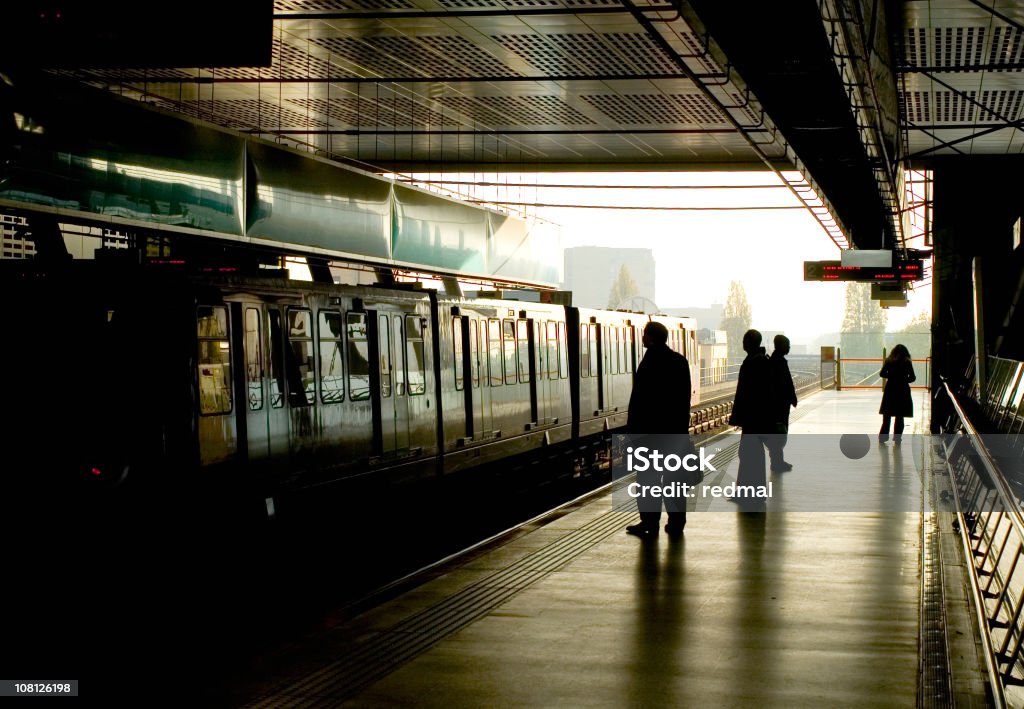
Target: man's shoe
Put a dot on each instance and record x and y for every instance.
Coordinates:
(673, 531)
(642, 531)
(782, 468)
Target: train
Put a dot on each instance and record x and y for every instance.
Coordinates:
(260, 386)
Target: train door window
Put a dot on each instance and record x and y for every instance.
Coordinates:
(332, 375)
(592, 337)
(619, 338)
(474, 352)
(494, 352)
(523, 347)
(214, 360)
(509, 338)
(605, 348)
(384, 355)
(630, 331)
(276, 360)
(552, 349)
(540, 350)
(414, 357)
(253, 359)
(458, 352)
(299, 358)
(400, 345)
(563, 353)
(584, 350)
(358, 357)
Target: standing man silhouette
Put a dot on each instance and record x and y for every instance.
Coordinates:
(783, 398)
(660, 404)
(751, 412)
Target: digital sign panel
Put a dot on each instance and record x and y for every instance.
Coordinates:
(902, 271)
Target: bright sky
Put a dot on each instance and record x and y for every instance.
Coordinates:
(698, 253)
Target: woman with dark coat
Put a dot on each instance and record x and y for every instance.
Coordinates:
(898, 372)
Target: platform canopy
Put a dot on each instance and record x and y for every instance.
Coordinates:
(834, 94)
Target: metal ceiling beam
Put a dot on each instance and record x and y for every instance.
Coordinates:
(207, 80)
(461, 14)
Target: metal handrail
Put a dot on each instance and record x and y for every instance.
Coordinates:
(971, 522)
(1002, 488)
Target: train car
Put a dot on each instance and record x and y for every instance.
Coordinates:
(252, 388)
(504, 379)
(682, 337)
(609, 348)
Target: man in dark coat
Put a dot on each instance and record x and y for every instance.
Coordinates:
(783, 398)
(751, 411)
(660, 404)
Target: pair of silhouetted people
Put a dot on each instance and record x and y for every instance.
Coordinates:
(660, 404)
(898, 372)
(764, 395)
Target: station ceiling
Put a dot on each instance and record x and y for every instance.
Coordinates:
(451, 85)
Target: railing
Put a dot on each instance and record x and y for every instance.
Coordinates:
(992, 533)
(862, 373)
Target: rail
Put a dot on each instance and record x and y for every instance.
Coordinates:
(862, 373)
(991, 529)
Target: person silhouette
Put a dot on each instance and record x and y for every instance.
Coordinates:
(660, 404)
(783, 398)
(751, 412)
(898, 372)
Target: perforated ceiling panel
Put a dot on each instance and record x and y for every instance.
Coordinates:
(521, 110)
(962, 77)
(449, 80)
(591, 54)
(653, 109)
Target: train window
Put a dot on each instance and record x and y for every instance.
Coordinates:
(594, 364)
(474, 352)
(358, 357)
(563, 353)
(606, 349)
(616, 343)
(276, 360)
(416, 381)
(523, 347)
(332, 376)
(552, 349)
(494, 352)
(623, 354)
(214, 360)
(299, 358)
(384, 355)
(629, 348)
(253, 359)
(584, 350)
(508, 329)
(400, 345)
(457, 351)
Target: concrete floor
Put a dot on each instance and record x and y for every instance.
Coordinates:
(806, 605)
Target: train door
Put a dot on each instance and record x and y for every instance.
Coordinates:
(526, 347)
(477, 363)
(274, 411)
(545, 332)
(462, 370)
(401, 389)
(252, 407)
(386, 411)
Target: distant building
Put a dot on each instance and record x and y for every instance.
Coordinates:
(713, 347)
(590, 272)
(709, 317)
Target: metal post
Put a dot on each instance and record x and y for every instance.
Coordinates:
(839, 369)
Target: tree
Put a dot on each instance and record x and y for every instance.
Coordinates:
(736, 318)
(623, 288)
(919, 324)
(863, 330)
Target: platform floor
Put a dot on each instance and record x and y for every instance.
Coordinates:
(775, 609)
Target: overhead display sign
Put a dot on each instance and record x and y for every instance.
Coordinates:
(903, 271)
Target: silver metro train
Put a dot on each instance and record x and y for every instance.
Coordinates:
(267, 385)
